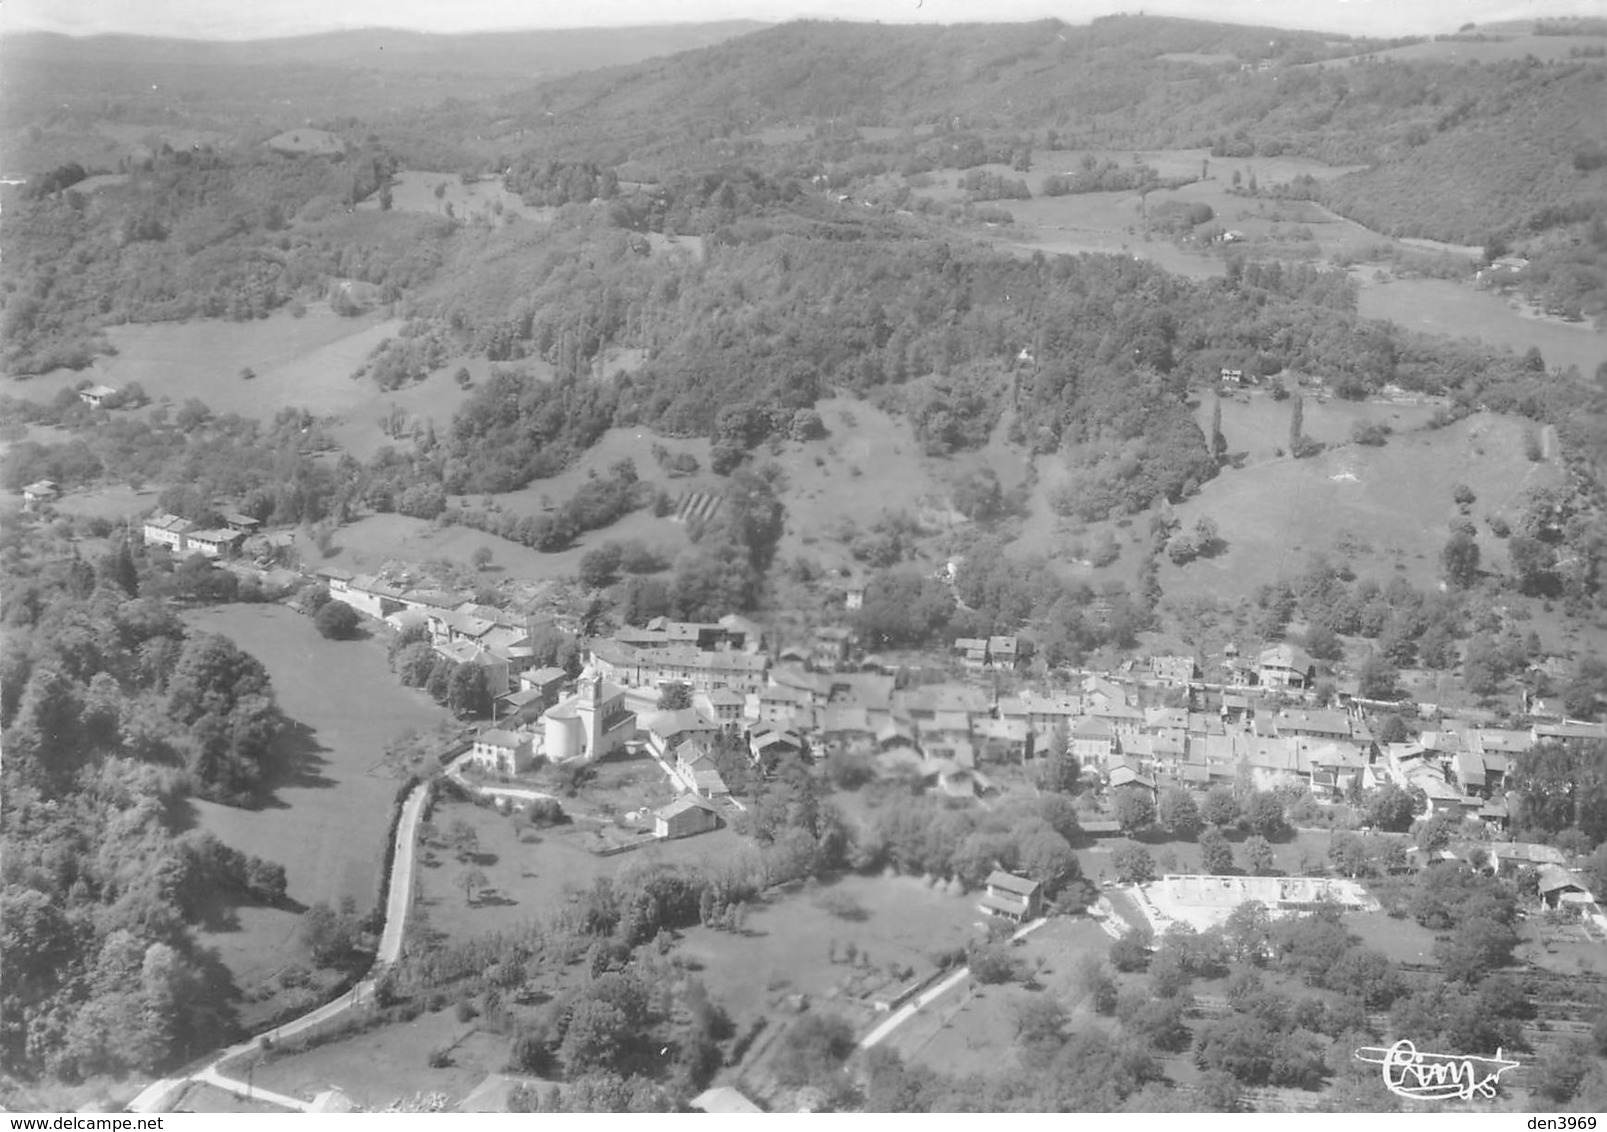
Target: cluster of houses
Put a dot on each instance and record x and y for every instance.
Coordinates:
(811, 700)
(185, 537)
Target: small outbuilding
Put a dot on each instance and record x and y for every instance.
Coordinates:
(1558, 886)
(686, 816)
(96, 396)
(39, 492)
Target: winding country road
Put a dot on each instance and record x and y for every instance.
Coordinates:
(159, 1096)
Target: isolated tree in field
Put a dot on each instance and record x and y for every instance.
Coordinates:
(463, 839)
(1216, 855)
(675, 697)
(1219, 443)
(1460, 560)
(1182, 549)
(1133, 865)
(1207, 538)
(1134, 810)
(1039, 1021)
(472, 880)
(337, 621)
(1177, 813)
(1297, 426)
(482, 557)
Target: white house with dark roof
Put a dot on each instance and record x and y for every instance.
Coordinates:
(218, 542)
(1285, 666)
(1174, 670)
(500, 752)
(169, 531)
(39, 492)
(1012, 897)
(589, 725)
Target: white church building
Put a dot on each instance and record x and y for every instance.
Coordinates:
(589, 725)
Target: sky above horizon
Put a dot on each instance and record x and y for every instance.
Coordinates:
(233, 19)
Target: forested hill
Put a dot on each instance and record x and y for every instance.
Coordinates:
(547, 52)
(992, 75)
(1511, 149)
(1521, 145)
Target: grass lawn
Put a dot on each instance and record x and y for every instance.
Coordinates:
(390, 1062)
(327, 818)
(789, 938)
(1402, 940)
(1444, 306)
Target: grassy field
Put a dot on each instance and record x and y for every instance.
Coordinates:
(1257, 426)
(1113, 222)
(413, 190)
(531, 873)
(870, 465)
(1387, 507)
(327, 820)
(305, 361)
(367, 544)
(390, 1063)
(789, 940)
(304, 139)
(1441, 306)
(972, 1028)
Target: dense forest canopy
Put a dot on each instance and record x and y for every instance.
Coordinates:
(114, 714)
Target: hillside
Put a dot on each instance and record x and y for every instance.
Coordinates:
(1521, 148)
(1456, 150)
(96, 99)
(994, 76)
(526, 53)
